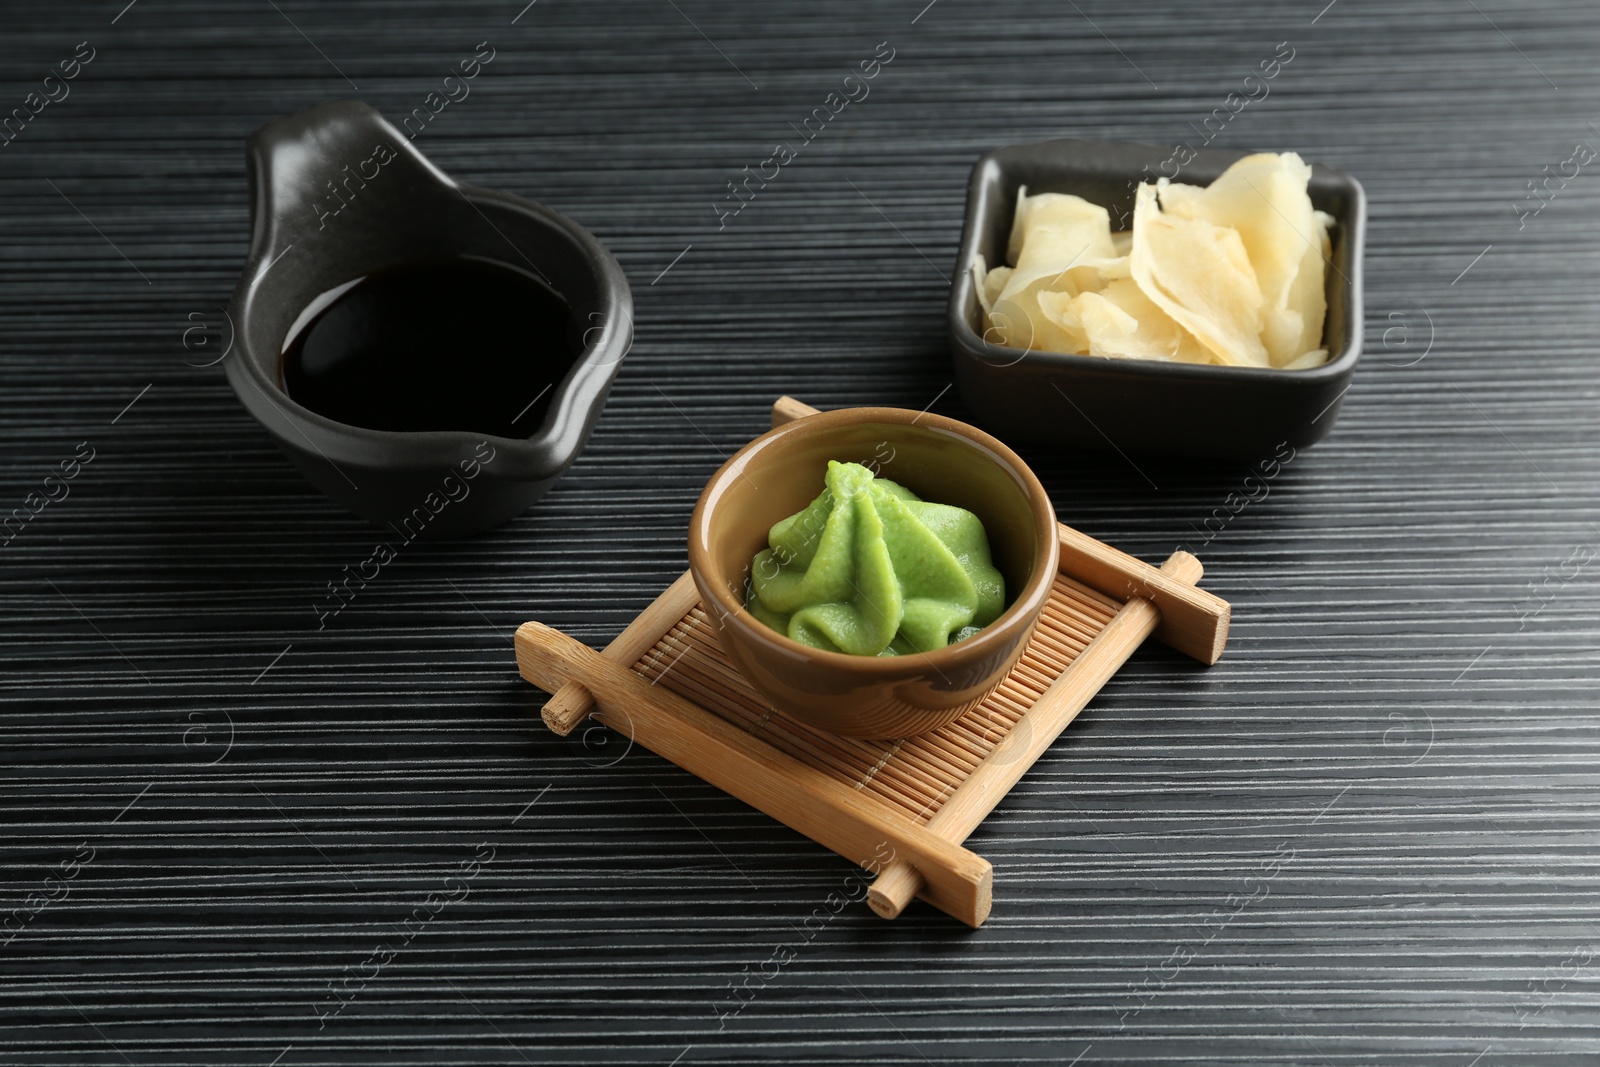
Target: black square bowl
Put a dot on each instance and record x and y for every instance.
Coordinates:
(1144, 406)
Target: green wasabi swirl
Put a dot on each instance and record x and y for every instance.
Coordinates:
(869, 569)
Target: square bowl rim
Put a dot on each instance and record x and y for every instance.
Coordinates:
(1001, 357)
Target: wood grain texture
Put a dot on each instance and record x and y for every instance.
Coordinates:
(1366, 836)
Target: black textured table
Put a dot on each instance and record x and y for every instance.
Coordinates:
(1368, 835)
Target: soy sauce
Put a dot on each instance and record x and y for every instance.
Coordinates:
(456, 344)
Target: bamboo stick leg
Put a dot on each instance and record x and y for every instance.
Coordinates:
(893, 889)
(788, 409)
(806, 798)
(571, 703)
(967, 805)
(1193, 621)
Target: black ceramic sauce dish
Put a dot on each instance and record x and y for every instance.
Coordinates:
(339, 194)
(1144, 406)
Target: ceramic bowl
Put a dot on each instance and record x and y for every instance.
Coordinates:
(937, 458)
(1145, 406)
(338, 193)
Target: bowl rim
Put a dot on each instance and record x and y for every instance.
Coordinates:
(996, 162)
(1021, 614)
(545, 452)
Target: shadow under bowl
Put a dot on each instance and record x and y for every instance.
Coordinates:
(940, 460)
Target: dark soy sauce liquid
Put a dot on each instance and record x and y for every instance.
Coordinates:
(453, 344)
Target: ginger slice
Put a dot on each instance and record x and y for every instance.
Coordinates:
(1200, 275)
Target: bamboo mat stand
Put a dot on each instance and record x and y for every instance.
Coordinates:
(901, 808)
